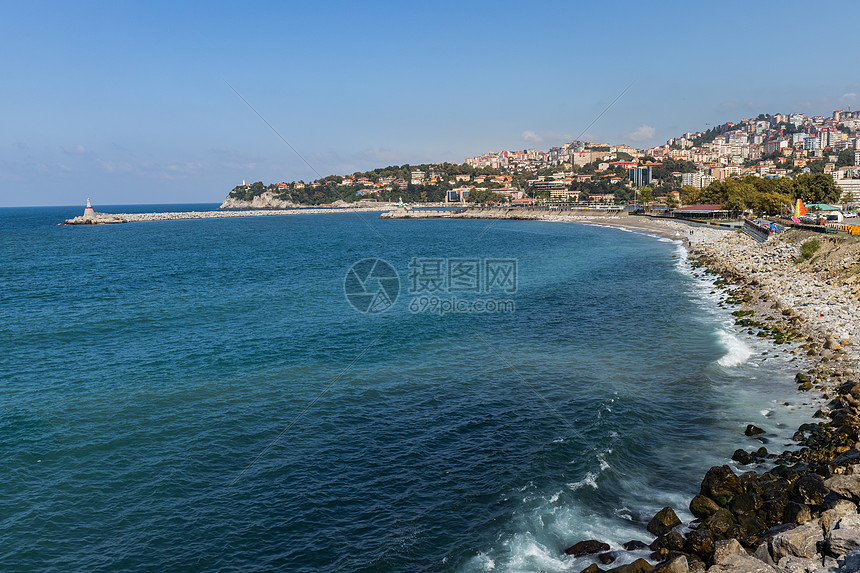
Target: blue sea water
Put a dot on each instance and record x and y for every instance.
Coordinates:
(201, 396)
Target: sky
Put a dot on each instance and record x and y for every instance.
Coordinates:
(131, 102)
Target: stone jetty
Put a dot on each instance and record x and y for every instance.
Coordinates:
(95, 218)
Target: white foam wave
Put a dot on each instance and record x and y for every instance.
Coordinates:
(737, 351)
(601, 459)
(590, 480)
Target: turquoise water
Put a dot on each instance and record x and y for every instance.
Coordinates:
(201, 396)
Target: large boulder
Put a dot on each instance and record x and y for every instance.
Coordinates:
(721, 484)
(796, 513)
(703, 507)
(750, 524)
(720, 522)
(772, 511)
(587, 547)
(792, 564)
(800, 542)
(846, 486)
(743, 564)
(746, 503)
(844, 537)
(673, 541)
(663, 522)
(839, 509)
(848, 462)
(700, 542)
(724, 548)
(775, 488)
(810, 489)
(676, 565)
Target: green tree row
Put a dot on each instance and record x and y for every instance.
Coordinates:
(770, 196)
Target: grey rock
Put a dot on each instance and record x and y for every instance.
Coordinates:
(743, 564)
(762, 552)
(846, 486)
(796, 513)
(800, 542)
(676, 565)
(725, 548)
(850, 561)
(844, 536)
(840, 509)
(791, 564)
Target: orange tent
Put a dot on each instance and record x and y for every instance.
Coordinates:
(799, 209)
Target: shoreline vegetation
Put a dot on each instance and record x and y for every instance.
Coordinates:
(794, 511)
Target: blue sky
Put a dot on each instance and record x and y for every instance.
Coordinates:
(127, 102)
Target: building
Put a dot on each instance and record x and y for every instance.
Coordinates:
(418, 177)
(640, 176)
(850, 190)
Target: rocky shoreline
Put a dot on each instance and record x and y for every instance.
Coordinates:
(801, 515)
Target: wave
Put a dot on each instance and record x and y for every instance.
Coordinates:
(737, 351)
(590, 480)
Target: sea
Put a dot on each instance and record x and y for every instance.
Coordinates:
(336, 392)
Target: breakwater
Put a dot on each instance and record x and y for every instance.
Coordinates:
(114, 218)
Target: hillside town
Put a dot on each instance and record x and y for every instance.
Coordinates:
(780, 147)
(769, 146)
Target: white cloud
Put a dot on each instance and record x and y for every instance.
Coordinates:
(529, 135)
(74, 149)
(848, 96)
(644, 132)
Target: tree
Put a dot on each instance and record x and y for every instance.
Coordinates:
(690, 195)
(816, 188)
(671, 201)
(646, 195)
(845, 158)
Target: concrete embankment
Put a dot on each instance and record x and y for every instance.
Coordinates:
(503, 213)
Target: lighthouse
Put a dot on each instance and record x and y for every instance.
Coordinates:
(89, 214)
